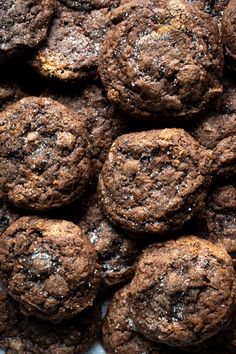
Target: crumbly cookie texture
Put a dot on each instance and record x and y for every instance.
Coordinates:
(154, 181)
(23, 24)
(219, 217)
(116, 252)
(183, 291)
(73, 44)
(229, 34)
(21, 334)
(217, 131)
(101, 118)
(44, 154)
(120, 335)
(8, 214)
(88, 5)
(49, 266)
(162, 61)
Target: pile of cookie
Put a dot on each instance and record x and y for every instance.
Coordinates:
(117, 176)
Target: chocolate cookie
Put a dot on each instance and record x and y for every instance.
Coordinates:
(183, 291)
(44, 154)
(88, 5)
(219, 217)
(116, 253)
(162, 61)
(213, 7)
(49, 266)
(222, 343)
(217, 131)
(229, 33)
(103, 122)
(21, 335)
(8, 214)
(154, 181)
(23, 24)
(119, 332)
(73, 44)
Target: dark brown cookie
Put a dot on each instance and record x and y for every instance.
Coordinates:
(8, 214)
(88, 5)
(73, 44)
(49, 266)
(154, 181)
(116, 253)
(219, 217)
(162, 61)
(103, 122)
(229, 33)
(213, 7)
(23, 24)
(24, 335)
(222, 343)
(120, 335)
(217, 131)
(44, 154)
(183, 291)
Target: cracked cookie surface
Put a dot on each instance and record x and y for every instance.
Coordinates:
(49, 266)
(154, 181)
(20, 334)
(45, 157)
(73, 44)
(116, 252)
(183, 291)
(162, 61)
(23, 23)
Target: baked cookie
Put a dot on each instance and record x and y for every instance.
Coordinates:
(116, 253)
(44, 154)
(103, 122)
(213, 7)
(120, 335)
(23, 24)
(49, 266)
(217, 131)
(229, 34)
(154, 181)
(21, 335)
(222, 343)
(183, 291)
(8, 214)
(219, 217)
(73, 44)
(162, 61)
(88, 5)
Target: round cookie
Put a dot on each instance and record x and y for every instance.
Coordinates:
(119, 332)
(49, 266)
(23, 24)
(229, 34)
(116, 253)
(21, 335)
(154, 181)
(183, 291)
(44, 154)
(162, 61)
(103, 122)
(73, 44)
(88, 5)
(219, 217)
(217, 131)
(8, 214)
